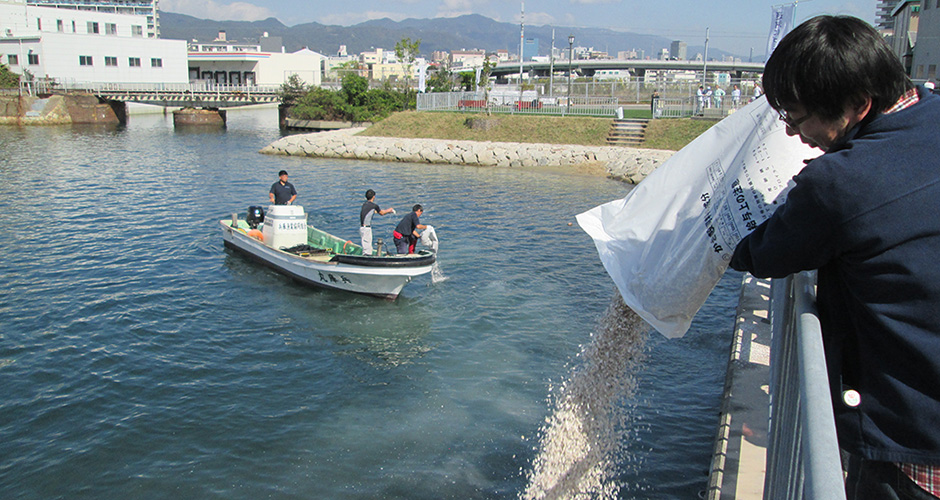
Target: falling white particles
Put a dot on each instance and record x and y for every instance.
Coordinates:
(580, 442)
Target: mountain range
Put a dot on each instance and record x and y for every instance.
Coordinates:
(439, 34)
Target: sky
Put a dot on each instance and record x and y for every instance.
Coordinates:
(733, 25)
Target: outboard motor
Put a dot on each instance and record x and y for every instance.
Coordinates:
(255, 216)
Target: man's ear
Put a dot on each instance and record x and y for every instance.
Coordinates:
(860, 109)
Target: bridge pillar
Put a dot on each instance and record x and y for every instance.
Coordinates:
(199, 117)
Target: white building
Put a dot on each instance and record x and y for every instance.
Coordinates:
(147, 8)
(68, 45)
(236, 63)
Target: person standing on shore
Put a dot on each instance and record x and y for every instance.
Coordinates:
(406, 235)
(369, 209)
(282, 192)
(865, 216)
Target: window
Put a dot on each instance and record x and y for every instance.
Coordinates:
(13, 59)
(85, 61)
(110, 61)
(137, 30)
(133, 62)
(59, 26)
(32, 59)
(110, 29)
(156, 62)
(92, 28)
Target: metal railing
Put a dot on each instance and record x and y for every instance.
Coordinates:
(803, 451)
(515, 102)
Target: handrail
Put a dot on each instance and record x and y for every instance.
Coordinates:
(803, 450)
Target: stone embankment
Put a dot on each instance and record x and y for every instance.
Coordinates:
(622, 163)
(59, 109)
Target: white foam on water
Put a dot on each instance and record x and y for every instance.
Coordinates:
(581, 441)
(437, 275)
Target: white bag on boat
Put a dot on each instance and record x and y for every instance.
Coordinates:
(429, 238)
(667, 243)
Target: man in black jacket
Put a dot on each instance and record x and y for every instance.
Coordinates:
(866, 214)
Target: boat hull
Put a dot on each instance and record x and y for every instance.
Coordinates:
(319, 271)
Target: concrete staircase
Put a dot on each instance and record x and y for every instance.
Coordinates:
(627, 132)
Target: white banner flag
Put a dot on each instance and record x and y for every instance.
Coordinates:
(781, 21)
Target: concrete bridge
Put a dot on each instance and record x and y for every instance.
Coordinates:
(194, 95)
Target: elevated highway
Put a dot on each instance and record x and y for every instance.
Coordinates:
(637, 67)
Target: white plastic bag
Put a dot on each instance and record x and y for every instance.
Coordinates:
(667, 243)
(429, 239)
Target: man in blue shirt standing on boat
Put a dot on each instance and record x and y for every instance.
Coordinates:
(866, 215)
(406, 234)
(283, 192)
(369, 209)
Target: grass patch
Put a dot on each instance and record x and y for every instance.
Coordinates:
(505, 128)
(674, 133)
(671, 134)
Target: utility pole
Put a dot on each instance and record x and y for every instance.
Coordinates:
(705, 60)
(551, 67)
(570, 53)
(521, 51)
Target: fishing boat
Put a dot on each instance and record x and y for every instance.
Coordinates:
(314, 257)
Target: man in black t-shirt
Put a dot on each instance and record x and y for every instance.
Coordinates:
(369, 209)
(283, 192)
(406, 234)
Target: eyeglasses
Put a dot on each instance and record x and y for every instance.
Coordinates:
(790, 122)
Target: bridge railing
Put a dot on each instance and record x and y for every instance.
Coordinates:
(200, 87)
(803, 451)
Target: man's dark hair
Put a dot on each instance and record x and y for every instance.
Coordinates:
(369, 194)
(829, 62)
(282, 172)
(416, 208)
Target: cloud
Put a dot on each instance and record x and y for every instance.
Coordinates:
(210, 9)
(537, 19)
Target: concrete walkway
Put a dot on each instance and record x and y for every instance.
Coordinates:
(740, 453)
(622, 163)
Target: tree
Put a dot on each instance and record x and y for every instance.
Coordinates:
(441, 80)
(8, 79)
(292, 90)
(407, 51)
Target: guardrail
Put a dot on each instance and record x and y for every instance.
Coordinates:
(803, 451)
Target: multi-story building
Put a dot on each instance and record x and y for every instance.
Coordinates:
(232, 62)
(903, 35)
(147, 8)
(467, 58)
(679, 50)
(883, 20)
(927, 50)
(87, 46)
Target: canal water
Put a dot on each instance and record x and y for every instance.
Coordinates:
(140, 359)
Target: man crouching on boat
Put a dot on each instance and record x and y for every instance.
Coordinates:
(406, 234)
